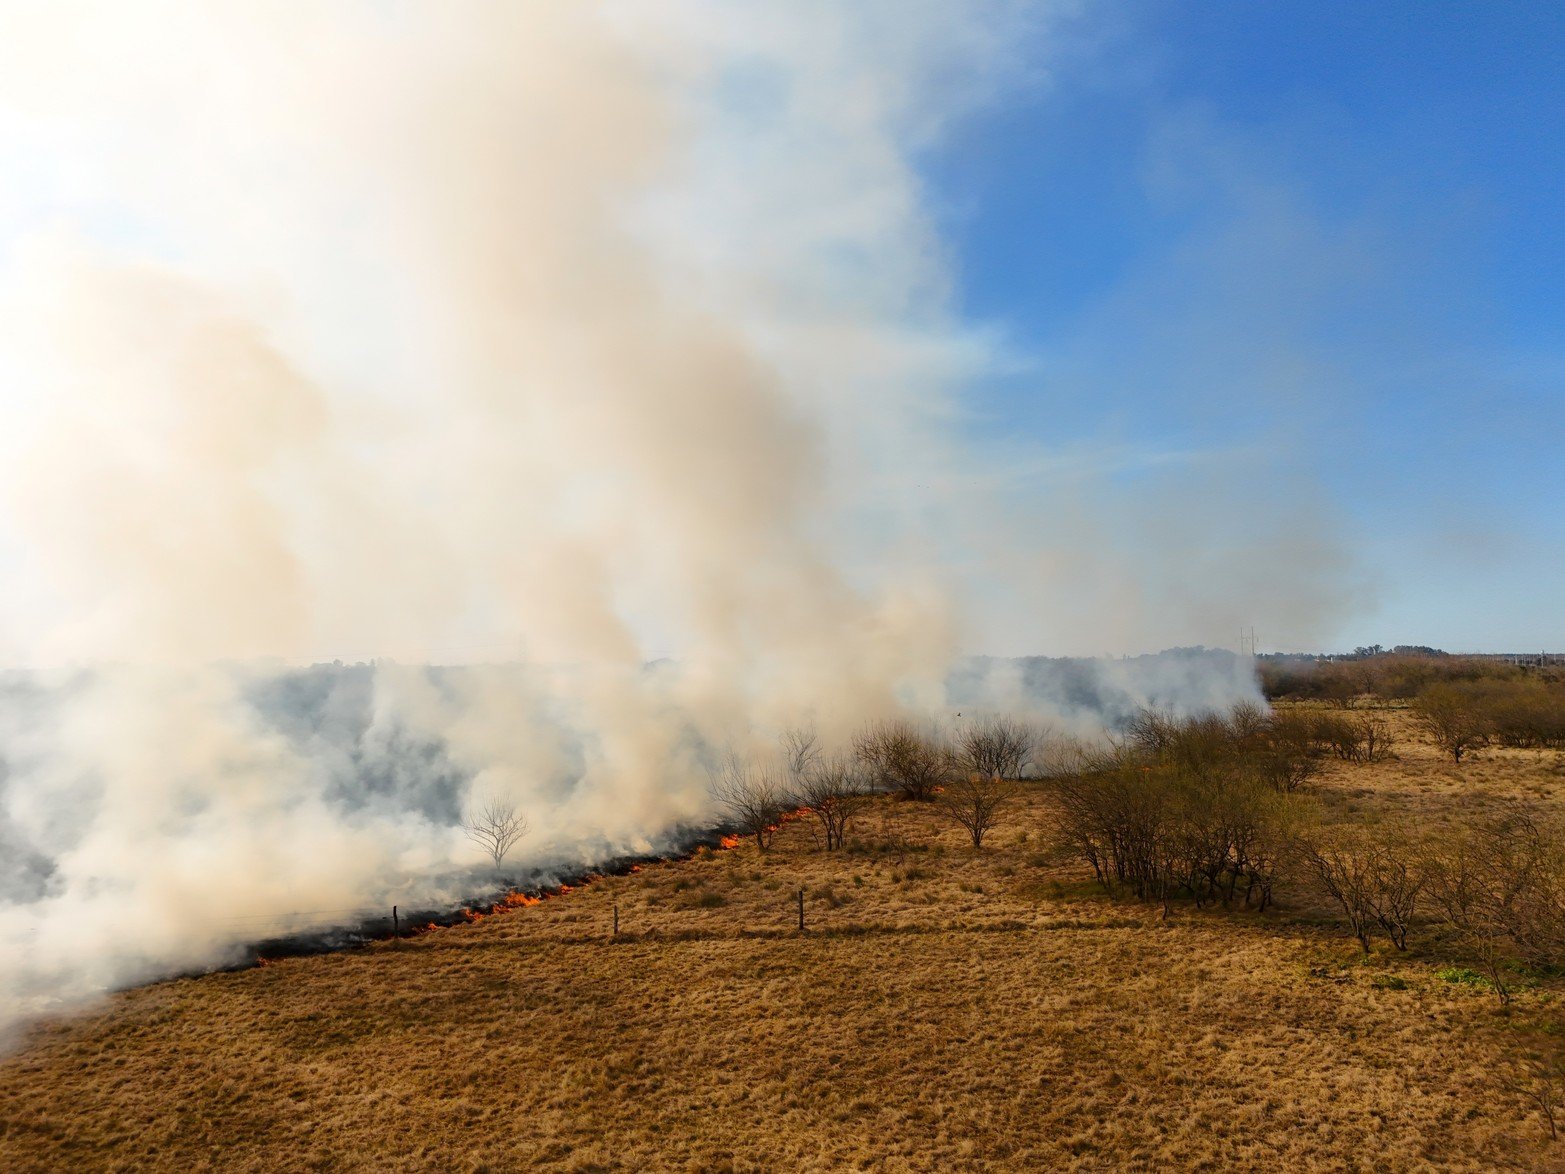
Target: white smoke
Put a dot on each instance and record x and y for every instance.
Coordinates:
(545, 339)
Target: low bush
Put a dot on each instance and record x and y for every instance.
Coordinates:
(1183, 808)
(913, 761)
(1352, 739)
(1372, 877)
(1499, 887)
(1461, 976)
(1391, 676)
(1453, 718)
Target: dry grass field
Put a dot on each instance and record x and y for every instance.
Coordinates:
(944, 1010)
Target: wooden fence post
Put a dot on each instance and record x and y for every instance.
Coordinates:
(616, 919)
(396, 928)
(801, 910)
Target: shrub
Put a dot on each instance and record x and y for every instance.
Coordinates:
(998, 746)
(1377, 739)
(976, 801)
(1500, 887)
(1374, 882)
(836, 790)
(1180, 808)
(1453, 718)
(701, 899)
(828, 896)
(1461, 976)
(1353, 739)
(902, 757)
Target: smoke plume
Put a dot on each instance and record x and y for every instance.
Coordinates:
(602, 352)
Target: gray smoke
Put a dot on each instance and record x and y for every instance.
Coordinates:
(600, 351)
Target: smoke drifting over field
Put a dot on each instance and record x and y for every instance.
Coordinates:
(548, 340)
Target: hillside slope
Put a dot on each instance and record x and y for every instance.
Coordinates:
(943, 1010)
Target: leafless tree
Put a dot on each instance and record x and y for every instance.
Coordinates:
(801, 750)
(1538, 1078)
(836, 790)
(998, 745)
(1361, 739)
(880, 746)
(975, 801)
(752, 798)
(1452, 718)
(1501, 887)
(1374, 881)
(1342, 872)
(904, 758)
(495, 825)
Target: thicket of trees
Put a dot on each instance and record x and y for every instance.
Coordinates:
(1203, 808)
(1464, 702)
(1216, 809)
(1499, 886)
(1399, 675)
(1465, 715)
(971, 771)
(1210, 808)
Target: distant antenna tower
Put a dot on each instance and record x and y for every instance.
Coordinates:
(1247, 642)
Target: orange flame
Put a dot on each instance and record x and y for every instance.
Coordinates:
(519, 900)
(730, 841)
(514, 900)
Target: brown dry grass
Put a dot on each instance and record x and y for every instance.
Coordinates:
(946, 1010)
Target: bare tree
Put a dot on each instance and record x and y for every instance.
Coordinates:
(1538, 1078)
(1343, 874)
(801, 750)
(836, 790)
(998, 745)
(1452, 718)
(752, 798)
(975, 801)
(495, 825)
(1501, 887)
(880, 746)
(904, 758)
(1375, 883)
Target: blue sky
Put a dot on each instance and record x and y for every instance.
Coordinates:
(1319, 243)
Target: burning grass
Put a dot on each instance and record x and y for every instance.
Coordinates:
(946, 1009)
